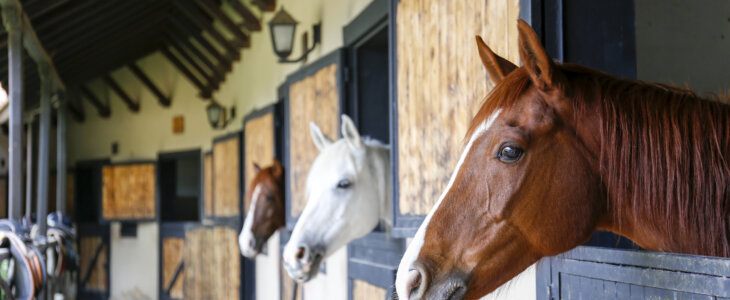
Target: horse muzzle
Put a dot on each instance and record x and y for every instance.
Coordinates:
(303, 264)
(420, 285)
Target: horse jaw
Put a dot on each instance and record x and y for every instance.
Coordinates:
(414, 248)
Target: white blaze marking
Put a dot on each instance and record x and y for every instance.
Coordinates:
(246, 236)
(415, 246)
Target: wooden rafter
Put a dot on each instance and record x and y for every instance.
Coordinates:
(221, 16)
(265, 5)
(102, 108)
(250, 21)
(204, 90)
(164, 100)
(184, 30)
(131, 104)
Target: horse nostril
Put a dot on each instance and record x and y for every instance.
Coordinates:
(417, 282)
(252, 244)
(301, 253)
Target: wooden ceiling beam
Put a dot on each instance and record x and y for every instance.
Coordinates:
(85, 37)
(265, 5)
(84, 8)
(218, 73)
(204, 91)
(111, 44)
(201, 22)
(195, 33)
(212, 82)
(94, 67)
(221, 16)
(102, 108)
(249, 19)
(164, 100)
(131, 104)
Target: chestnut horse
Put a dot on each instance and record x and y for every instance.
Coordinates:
(266, 212)
(558, 151)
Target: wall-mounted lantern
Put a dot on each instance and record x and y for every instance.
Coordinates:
(217, 115)
(282, 28)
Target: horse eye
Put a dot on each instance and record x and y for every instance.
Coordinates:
(269, 198)
(510, 153)
(343, 184)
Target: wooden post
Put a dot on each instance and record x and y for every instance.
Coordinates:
(11, 20)
(61, 157)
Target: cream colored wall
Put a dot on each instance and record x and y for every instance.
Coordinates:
(251, 84)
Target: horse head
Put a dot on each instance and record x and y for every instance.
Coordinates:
(519, 191)
(347, 196)
(266, 212)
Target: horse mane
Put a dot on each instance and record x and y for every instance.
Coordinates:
(663, 152)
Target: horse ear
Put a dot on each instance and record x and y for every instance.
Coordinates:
(539, 65)
(497, 66)
(277, 169)
(319, 139)
(256, 167)
(350, 133)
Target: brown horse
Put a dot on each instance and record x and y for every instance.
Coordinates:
(558, 151)
(266, 212)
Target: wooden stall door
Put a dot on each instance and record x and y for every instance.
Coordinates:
(172, 265)
(212, 263)
(601, 273)
(93, 249)
(129, 192)
(223, 175)
(259, 145)
(314, 94)
(372, 263)
(440, 83)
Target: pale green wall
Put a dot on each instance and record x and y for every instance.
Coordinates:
(251, 84)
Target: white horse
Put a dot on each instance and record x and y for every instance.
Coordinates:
(348, 193)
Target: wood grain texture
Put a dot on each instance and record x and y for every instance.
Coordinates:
(129, 191)
(288, 285)
(88, 247)
(441, 84)
(258, 147)
(208, 185)
(226, 178)
(212, 264)
(172, 256)
(312, 99)
(362, 290)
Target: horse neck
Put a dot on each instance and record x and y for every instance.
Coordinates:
(379, 162)
(668, 192)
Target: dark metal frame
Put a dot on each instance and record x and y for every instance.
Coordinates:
(368, 23)
(632, 271)
(374, 259)
(156, 218)
(403, 225)
(334, 57)
(201, 207)
(103, 231)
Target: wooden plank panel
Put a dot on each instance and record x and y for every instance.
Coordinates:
(129, 191)
(212, 264)
(208, 185)
(97, 279)
(172, 255)
(288, 286)
(312, 99)
(441, 84)
(258, 147)
(226, 180)
(362, 290)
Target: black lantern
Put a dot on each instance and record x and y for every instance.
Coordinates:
(282, 28)
(217, 115)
